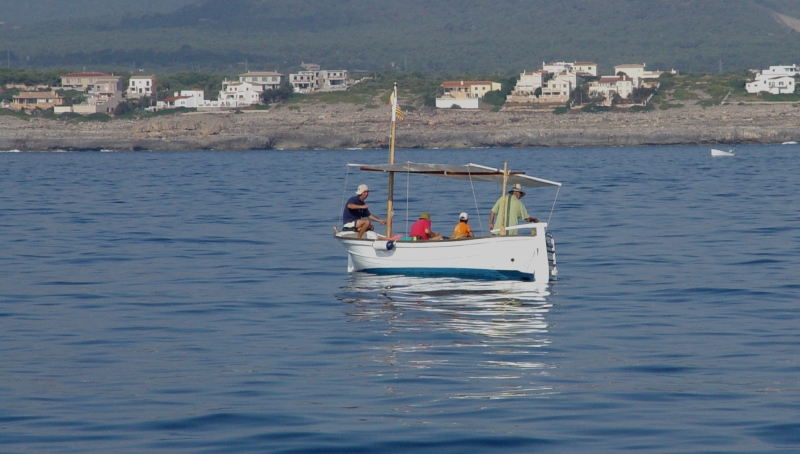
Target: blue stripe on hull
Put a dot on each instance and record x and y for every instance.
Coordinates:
(493, 275)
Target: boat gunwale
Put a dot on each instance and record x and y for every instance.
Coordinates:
(398, 243)
(530, 225)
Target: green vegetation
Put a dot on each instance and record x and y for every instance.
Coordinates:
(32, 11)
(430, 36)
(72, 96)
(498, 98)
(8, 94)
(276, 95)
(346, 97)
(68, 116)
(684, 95)
(647, 108)
(702, 89)
(769, 97)
(418, 91)
(592, 108)
(211, 84)
(494, 98)
(14, 113)
(31, 76)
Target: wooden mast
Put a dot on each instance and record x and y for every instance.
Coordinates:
(390, 194)
(504, 204)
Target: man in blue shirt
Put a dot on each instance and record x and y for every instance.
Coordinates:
(356, 213)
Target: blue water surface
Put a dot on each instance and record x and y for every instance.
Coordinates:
(197, 302)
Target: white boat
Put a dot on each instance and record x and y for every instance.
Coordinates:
(528, 256)
(791, 142)
(716, 152)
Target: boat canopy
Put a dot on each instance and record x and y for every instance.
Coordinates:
(469, 172)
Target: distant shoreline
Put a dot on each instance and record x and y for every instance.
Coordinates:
(341, 126)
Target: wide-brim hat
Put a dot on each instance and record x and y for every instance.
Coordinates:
(517, 188)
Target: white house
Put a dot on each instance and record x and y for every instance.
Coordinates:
(332, 80)
(105, 94)
(528, 82)
(556, 67)
(304, 81)
(559, 88)
(269, 80)
(790, 71)
(141, 86)
(191, 99)
(108, 85)
(465, 94)
(773, 84)
(234, 94)
(246, 91)
(33, 99)
(81, 81)
(319, 80)
(556, 89)
(776, 80)
(583, 68)
(609, 85)
(637, 73)
(97, 103)
(634, 71)
(242, 93)
(567, 76)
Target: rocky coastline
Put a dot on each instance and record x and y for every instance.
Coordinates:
(341, 126)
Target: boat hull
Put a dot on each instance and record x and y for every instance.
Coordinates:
(518, 257)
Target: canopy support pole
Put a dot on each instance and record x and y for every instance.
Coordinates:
(505, 200)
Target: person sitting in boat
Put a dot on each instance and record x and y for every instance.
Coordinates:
(356, 216)
(421, 230)
(462, 229)
(515, 211)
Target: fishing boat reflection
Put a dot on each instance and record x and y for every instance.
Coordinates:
(489, 335)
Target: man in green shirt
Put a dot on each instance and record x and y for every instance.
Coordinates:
(516, 210)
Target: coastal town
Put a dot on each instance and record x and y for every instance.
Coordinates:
(561, 104)
(555, 84)
(104, 92)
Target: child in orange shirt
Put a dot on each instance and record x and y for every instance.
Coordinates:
(462, 229)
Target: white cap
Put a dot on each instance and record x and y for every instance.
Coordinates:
(463, 217)
(362, 188)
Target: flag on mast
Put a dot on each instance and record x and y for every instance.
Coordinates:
(397, 114)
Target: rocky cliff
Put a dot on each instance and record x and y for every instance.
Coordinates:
(341, 126)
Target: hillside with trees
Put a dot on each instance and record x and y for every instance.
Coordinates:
(16, 12)
(430, 36)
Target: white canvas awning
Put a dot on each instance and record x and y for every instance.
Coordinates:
(468, 172)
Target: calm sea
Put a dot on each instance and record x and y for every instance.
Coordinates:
(197, 302)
